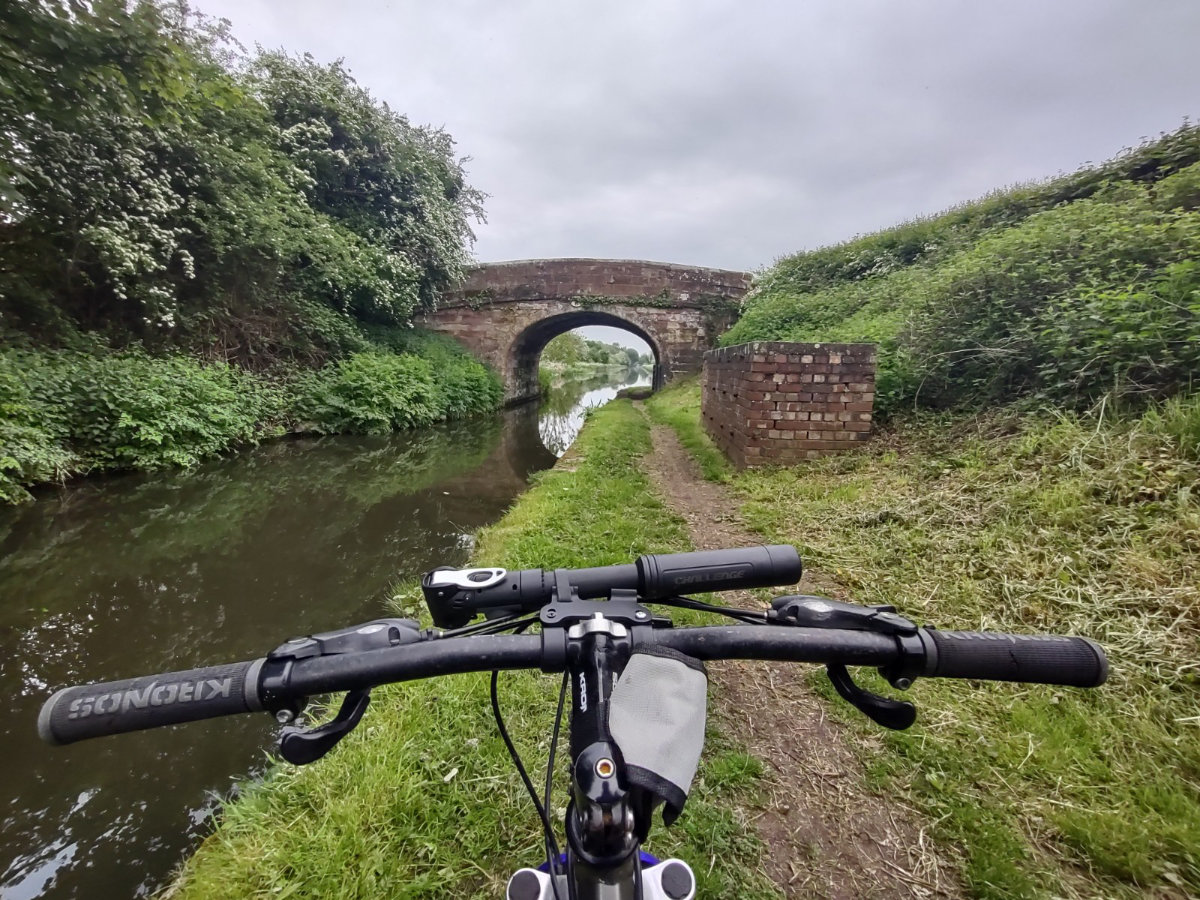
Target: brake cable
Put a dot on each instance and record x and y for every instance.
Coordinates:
(749, 616)
(516, 622)
(553, 862)
(552, 849)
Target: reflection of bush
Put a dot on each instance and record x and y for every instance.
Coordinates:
(216, 508)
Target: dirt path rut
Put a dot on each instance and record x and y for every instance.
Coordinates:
(827, 835)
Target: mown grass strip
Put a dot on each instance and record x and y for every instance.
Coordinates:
(1051, 524)
(422, 801)
(679, 407)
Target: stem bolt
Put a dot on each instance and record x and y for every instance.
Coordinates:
(904, 683)
(551, 614)
(640, 614)
(285, 717)
(605, 767)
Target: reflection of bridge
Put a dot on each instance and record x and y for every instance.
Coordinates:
(505, 313)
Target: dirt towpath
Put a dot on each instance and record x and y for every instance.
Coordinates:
(827, 835)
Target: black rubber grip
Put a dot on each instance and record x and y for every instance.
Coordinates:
(1035, 658)
(667, 574)
(95, 710)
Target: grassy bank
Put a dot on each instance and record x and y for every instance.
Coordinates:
(1050, 523)
(65, 413)
(1070, 290)
(421, 801)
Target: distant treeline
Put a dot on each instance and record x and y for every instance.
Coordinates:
(571, 350)
(1083, 287)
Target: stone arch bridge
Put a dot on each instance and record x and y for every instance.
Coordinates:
(505, 313)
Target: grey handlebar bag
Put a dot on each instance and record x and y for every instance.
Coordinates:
(656, 716)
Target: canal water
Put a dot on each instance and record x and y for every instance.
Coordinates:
(126, 575)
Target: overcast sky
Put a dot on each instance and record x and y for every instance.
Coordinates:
(728, 134)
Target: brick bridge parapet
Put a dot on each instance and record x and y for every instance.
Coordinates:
(505, 313)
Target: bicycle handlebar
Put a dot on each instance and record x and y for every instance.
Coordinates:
(1036, 658)
(455, 596)
(113, 707)
(78, 713)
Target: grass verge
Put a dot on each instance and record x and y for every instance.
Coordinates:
(421, 801)
(1052, 524)
(679, 407)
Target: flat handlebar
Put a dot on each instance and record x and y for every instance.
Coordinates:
(81, 712)
(455, 596)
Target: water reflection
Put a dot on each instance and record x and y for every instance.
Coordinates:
(125, 575)
(120, 576)
(565, 407)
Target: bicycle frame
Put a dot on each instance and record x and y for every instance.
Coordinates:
(606, 818)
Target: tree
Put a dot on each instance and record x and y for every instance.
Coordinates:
(157, 188)
(566, 350)
(396, 185)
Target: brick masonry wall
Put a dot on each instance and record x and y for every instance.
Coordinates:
(775, 403)
(505, 313)
(552, 279)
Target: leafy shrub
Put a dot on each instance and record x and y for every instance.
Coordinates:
(130, 410)
(68, 412)
(379, 390)
(369, 393)
(30, 450)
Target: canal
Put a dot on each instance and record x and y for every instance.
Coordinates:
(120, 576)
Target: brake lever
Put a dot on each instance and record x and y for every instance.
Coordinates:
(806, 611)
(301, 746)
(894, 714)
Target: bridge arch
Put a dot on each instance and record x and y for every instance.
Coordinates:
(505, 313)
(521, 362)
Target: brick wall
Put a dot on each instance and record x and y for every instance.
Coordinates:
(774, 403)
(505, 313)
(550, 279)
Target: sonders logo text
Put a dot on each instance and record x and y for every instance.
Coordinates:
(153, 694)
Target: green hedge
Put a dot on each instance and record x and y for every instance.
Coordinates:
(65, 413)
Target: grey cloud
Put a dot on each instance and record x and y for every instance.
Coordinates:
(727, 135)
